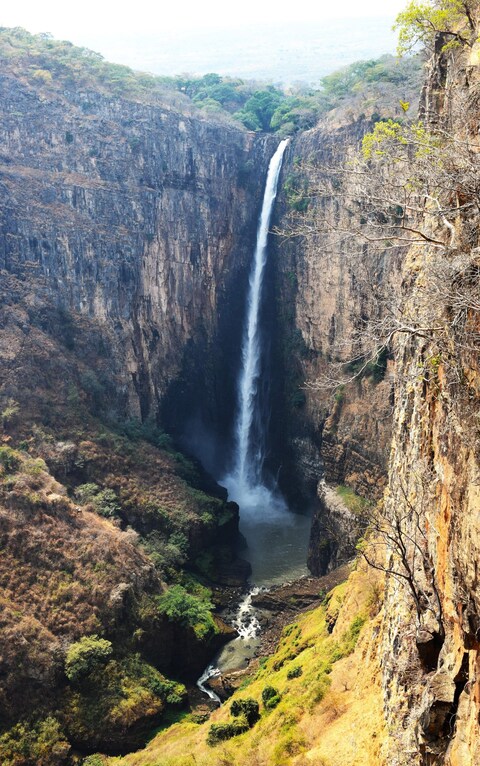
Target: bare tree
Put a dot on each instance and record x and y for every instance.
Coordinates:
(396, 544)
(411, 190)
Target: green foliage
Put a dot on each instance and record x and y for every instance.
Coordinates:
(10, 410)
(258, 110)
(295, 188)
(188, 610)
(136, 429)
(94, 760)
(355, 503)
(42, 75)
(294, 672)
(270, 697)
(59, 65)
(219, 732)
(249, 708)
(374, 368)
(9, 458)
(41, 744)
(104, 501)
(362, 76)
(379, 141)
(246, 713)
(420, 22)
(170, 553)
(291, 744)
(349, 638)
(85, 656)
(118, 696)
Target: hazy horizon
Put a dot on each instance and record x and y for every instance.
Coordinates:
(267, 41)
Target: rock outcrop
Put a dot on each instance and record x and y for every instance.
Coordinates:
(431, 647)
(135, 222)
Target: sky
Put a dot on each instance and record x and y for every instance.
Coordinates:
(265, 39)
(102, 17)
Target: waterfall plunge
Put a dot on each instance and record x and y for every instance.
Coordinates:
(245, 483)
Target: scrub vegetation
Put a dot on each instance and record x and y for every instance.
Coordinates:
(296, 695)
(258, 106)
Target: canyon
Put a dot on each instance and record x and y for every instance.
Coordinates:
(127, 232)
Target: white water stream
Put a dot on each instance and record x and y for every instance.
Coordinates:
(248, 628)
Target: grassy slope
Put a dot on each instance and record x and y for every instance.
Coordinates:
(329, 715)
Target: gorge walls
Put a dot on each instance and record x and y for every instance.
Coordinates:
(329, 285)
(136, 223)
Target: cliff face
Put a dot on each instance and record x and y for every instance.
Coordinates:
(134, 218)
(339, 416)
(430, 679)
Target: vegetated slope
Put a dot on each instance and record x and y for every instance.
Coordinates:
(72, 565)
(318, 696)
(254, 104)
(99, 512)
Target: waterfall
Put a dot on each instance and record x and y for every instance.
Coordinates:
(210, 672)
(245, 483)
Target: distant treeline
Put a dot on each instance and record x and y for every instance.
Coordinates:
(366, 87)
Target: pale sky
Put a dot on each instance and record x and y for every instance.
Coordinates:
(95, 18)
(275, 40)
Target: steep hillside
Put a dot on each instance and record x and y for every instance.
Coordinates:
(126, 229)
(325, 706)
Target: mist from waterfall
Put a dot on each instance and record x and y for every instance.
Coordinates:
(246, 482)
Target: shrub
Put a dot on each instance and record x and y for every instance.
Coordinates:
(188, 610)
(350, 637)
(11, 409)
(120, 697)
(43, 75)
(219, 732)
(9, 458)
(85, 656)
(271, 697)
(93, 760)
(42, 744)
(295, 672)
(249, 708)
(135, 429)
(291, 744)
(104, 501)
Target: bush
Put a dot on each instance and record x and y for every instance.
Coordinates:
(188, 610)
(104, 501)
(136, 429)
(85, 656)
(271, 697)
(93, 760)
(249, 708)
(219, 732)
(122, 697)
(11, 409)
(9, 458)
(42, 744)
(295, 672)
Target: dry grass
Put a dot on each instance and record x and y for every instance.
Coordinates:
(330, 715)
